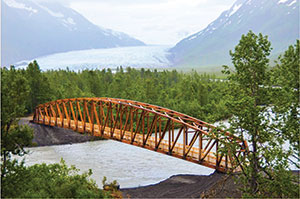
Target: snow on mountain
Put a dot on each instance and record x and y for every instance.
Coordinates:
(18, 5)
(34, 28)
(234, 9)
(282, 1)
(279, 19)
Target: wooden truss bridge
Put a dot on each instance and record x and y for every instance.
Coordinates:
(148, 126)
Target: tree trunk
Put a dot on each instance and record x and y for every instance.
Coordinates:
(254, 163)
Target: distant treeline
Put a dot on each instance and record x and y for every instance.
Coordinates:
(197, 95)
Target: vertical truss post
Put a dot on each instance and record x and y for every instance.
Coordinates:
(111, 120)
(76, 115)
(143, 128)
(37, 115)
(173, 132)
(96, 115)
(84, 115)
(184, 141)
(155, 131)
(121, 120)
(186, 137)
(63, 118)
(100, 113)
(200, 145)
(217, 154)
(92, 117)
(57, 112)
(81, 118)
(131, 124)
(88, 114)
(226, 162)
(159, 128)
(170, 139)
(44, 118)
(46, 111)
(52, 113)
(66, 113)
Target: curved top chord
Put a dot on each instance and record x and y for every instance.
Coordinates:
(146, 125)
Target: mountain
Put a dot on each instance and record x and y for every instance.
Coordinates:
(279, 19)
(34, 28)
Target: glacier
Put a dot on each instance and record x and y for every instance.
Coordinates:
(152, 56)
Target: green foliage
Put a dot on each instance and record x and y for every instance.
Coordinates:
(48, 181)
(197, 95)
(14, 93)
(39, 88)
(20, 88)
(286, 96)
(15, 139)
(201, 96)
(111, 186)
(249, 99)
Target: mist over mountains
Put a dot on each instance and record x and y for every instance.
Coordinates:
(31, 29)
(279, 19)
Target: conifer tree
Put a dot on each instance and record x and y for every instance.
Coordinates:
(40, 91)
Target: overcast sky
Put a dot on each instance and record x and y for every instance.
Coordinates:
(152, 21)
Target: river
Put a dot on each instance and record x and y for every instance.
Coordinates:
(131, 166)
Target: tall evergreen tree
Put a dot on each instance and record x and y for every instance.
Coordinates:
(40, 91)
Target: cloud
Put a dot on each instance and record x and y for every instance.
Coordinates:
(152, 21)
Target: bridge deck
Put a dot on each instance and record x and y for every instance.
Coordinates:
(178, 150)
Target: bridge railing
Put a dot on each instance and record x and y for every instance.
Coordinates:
(148, 126)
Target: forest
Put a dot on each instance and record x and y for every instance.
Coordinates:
(199, 95)
(250, 90)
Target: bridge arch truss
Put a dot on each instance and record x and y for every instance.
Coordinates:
(148, 126)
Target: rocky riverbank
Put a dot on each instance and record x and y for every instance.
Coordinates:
(216, 185)
(50, 135)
